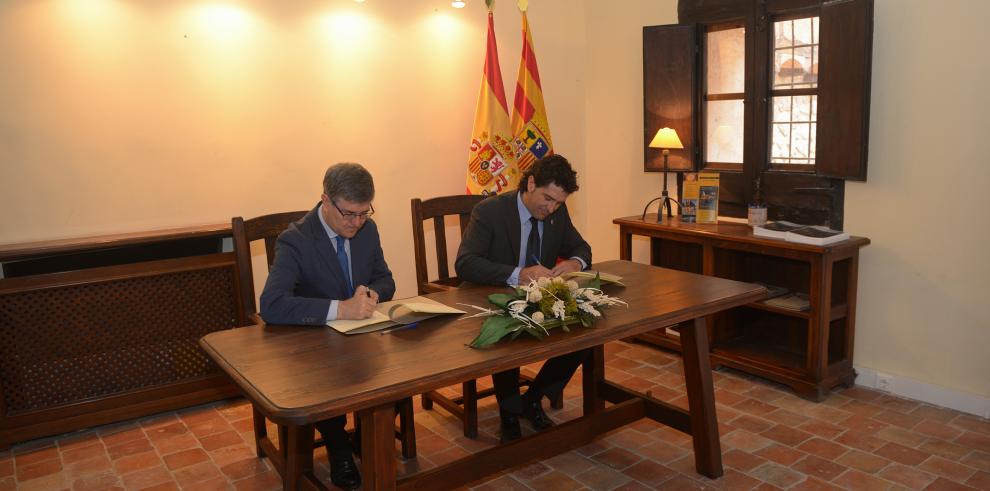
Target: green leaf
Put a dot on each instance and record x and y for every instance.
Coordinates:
(492, 330)
(595, 283)
(501, 300)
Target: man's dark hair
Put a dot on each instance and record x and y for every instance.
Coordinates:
(349, 181)
(551, 169)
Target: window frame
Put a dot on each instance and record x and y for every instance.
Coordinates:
(845, 44)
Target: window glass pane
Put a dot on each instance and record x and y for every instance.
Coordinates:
(782, 109)
(802, 108)
(795, 53)
(724, 138)
(780, 148)
(800, 139)
(783, 34)
(802, 31)
(726, 51)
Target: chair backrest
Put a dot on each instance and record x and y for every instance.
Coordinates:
(266, 227)
(437, 209)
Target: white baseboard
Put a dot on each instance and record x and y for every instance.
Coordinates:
(925, 392)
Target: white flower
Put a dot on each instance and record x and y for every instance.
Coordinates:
(558, 280)
(534, 295)
(591, 296)
(558, 309)
(572, 285)
(517, 306)
(589, 309)
(543, 282)
(538, 317)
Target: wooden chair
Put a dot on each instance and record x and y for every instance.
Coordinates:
(268, 227)
(465, 406)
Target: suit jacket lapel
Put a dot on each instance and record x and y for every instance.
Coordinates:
(326, 251)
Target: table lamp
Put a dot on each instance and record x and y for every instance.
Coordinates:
(666, 139)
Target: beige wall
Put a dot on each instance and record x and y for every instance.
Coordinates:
(122, 115)
(925, 279)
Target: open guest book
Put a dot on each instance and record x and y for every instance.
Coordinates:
(394, 313)
(605, 278)
(802, 234)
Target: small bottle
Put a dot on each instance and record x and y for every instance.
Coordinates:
(757, 209)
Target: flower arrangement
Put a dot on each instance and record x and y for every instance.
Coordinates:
(541, 305)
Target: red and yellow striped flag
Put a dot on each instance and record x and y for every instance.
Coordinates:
(530, 128)
(491, 160)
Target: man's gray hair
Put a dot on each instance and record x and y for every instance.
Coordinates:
(349, 181)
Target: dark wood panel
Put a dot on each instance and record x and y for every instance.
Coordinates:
(669, 77)
(92, 346)
(844, 103)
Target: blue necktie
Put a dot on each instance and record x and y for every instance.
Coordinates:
(344, 265)
(533, 244)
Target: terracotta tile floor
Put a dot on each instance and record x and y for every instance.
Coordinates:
(771, 439)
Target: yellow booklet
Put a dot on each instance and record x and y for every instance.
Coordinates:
(606, 278)
(394, 313)
(707, 197)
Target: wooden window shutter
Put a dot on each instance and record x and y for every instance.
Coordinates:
(844, 89)
(669, 92)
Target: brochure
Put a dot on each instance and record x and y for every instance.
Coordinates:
(707, 197)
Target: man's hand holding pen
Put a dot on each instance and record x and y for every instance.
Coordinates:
(360, 306)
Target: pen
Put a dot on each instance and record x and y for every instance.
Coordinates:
(399, 328)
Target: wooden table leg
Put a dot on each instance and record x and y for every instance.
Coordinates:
(592, 375)
(377, 447)
(625, 245)
(701, 399)
(260, 429)
(298, 456)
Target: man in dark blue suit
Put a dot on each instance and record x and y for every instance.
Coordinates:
(329, 265)
(517, 237)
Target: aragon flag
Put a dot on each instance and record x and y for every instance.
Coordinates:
(530, 128)
(491, 160)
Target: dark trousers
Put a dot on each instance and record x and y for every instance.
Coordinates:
(550, 381)
(332, 430)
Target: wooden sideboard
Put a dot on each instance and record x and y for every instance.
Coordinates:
(812, 350)
(104, 329)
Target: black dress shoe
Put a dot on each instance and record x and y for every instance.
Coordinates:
(510, 427)
(344, 473)
(533, 411)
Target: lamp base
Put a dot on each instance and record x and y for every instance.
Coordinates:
(665, 203)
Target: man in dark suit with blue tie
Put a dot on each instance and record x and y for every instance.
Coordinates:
(330, 265)
(494, 251)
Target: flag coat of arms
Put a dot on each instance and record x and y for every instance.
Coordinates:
(491, 160)
(530, 129)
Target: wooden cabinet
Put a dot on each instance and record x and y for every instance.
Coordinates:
(104, 329)
(811, 351)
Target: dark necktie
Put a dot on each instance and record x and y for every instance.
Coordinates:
(344, 265)
(533, 244)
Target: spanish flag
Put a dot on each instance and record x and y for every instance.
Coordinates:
(530, 128)
(491, 160)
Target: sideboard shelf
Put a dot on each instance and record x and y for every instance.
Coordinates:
(810, 350)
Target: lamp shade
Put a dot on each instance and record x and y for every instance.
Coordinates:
(666, 138)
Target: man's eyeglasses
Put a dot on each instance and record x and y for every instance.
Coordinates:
(350, 215)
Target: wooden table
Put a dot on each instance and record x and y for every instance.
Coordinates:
(297, 376)
(809, 350)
